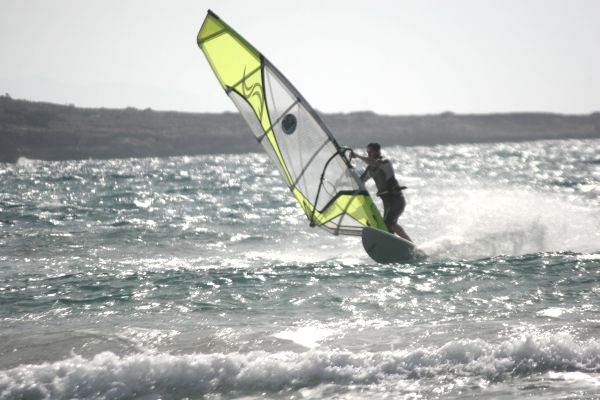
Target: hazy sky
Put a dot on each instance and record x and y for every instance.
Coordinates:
(392, 57)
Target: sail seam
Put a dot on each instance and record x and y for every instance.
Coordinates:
(344, 214)
(211, 36)
(308, 164)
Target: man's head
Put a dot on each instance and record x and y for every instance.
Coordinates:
(374, 150)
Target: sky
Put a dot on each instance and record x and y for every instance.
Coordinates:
(396, 57)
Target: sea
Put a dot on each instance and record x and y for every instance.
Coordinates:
(200, 278)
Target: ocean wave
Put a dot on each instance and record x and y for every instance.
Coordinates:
(148, 375)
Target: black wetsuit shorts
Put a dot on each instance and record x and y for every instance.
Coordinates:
(393, 207)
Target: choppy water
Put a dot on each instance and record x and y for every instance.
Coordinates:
(198, 277)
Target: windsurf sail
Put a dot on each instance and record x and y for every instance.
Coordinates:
(313, 165)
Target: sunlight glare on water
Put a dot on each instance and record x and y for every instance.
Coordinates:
(192, 277)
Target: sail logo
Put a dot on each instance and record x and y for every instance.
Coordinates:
(253, 92)
(289, 124)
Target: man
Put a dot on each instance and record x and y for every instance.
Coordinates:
(382, 172)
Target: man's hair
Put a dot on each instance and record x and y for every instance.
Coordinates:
(375, 146)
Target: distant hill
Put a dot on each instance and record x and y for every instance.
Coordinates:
(57, 132)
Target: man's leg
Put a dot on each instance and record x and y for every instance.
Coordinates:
(398, 230)
(394, 207)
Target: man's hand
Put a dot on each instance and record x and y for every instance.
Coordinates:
(352, 155)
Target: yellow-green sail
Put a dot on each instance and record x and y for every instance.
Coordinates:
(307, 155)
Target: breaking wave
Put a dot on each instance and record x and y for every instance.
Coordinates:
(149, 375)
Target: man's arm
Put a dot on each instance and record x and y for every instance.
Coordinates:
(365, 175)
(369, 161)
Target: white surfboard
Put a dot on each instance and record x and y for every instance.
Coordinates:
(385, 247)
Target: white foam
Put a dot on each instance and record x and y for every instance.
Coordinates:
(575, 377)
(109, 376)
(306, 336)
(26, 162)
(143, 203)
(552, 312)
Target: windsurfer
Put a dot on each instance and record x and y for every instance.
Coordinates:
(382, 172)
